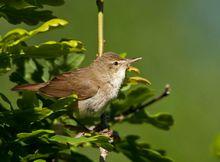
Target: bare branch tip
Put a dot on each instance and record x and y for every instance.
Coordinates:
(167, 89)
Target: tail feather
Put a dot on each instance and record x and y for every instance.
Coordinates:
(29, 87)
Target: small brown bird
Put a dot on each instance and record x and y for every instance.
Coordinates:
(94, 85)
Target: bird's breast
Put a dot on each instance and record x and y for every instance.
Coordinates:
(96, 104)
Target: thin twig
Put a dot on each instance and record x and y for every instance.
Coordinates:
(100, 5)
(132, 110)
(103, 154)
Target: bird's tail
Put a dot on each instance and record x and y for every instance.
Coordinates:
(29, 87)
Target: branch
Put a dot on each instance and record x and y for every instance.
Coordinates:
(132, 110)
(100, 5)
(103, 154)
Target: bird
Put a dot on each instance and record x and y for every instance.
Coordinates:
(95, 85)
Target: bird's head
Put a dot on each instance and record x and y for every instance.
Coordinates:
(114, 63)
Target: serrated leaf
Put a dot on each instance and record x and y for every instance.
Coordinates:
(53, 49)
(49, 25)
(34, 133)
(18, 35)
(160, 120)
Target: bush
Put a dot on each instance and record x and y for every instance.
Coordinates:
(43, 129)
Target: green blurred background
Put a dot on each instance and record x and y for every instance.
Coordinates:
(180, 44)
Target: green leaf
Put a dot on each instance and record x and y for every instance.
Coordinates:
(29, 100)
(49, 25)
(27, 11)
(28, 116)
(140, 152)
(36, 133)
(53, 49)
(130, 96)
(7, 103)
(40, 160)
(5, 64)
(19, 4)
(160, 120)
(100, 140)
(64, 103)
(14, 37)
(18, 35)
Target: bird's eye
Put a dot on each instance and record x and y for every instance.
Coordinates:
(115, 63)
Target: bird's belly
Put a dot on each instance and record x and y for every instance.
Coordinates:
(95, 105)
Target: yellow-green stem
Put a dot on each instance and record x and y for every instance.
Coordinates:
(100, 5)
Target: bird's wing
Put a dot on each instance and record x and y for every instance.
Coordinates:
(80, 82)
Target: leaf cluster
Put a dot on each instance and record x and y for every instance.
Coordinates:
(30, 12)
(37, 128)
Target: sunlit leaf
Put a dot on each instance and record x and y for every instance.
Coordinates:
(51, 24)
(53, 49)
(18, 35)
(14, 37)
(34, 133)
(139, 80)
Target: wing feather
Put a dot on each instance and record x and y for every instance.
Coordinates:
(82, 82)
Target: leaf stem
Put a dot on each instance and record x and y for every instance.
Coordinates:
(100, 5)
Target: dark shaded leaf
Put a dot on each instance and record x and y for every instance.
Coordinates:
(140, 152)
(27, 11)
(28, 101)
(130, 96)
(160, 120)
(5, 64)
(7, 105)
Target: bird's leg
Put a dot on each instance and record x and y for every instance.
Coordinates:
(104, 121)
(103, 124)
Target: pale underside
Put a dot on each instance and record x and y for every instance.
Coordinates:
(96, 105)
